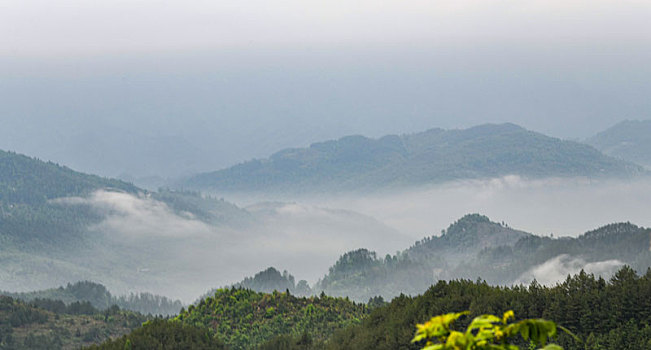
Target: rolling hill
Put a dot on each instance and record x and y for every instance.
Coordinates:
(472, 247)
(357, 163)
(56, 226)
(629, 140)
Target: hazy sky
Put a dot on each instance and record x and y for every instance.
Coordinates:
(150, 87)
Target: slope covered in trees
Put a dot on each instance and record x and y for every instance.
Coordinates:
(611, 314)
(360, 163)
(100, 297)
(27, 187)
(51, 325)
(604, 314)
(163, 334)
(58, 226)
(244, 319)
(629, 140)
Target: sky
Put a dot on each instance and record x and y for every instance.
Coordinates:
(145, 88)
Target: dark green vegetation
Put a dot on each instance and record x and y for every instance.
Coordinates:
(475, 247)
(629, 140)
(613, 315)
(50, 325)
(27, 215)
(244, 319)
(605, 315)
(437, 155)
(268, 281)
(163, 334)
(99, 297)
(205, 208)
(53, 227)
(35, 230)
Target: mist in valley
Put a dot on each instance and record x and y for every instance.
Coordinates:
(143, 244)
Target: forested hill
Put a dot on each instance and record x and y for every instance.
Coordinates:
(27, 186)
(55, 226)
(472, 247)
(32, 181)
(610, 313)
(100, 298)
(244, 319)
(605, 314)
(629, 140)
(475, 247)
(52, 325)
(437, 155)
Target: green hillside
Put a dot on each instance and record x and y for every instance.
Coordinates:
(433, 156)
(244, 319)
(51, 229)
(28, 217)
(51, 325)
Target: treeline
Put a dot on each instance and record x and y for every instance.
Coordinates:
(614, 314)
(98, 296)
(163, 334)
(474, 246)
(605, 315)
(51, 324)
(244, 319)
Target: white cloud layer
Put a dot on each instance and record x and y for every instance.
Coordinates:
(144, 245)
(557, 269)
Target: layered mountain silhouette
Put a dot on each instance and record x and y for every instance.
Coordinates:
(433, 156)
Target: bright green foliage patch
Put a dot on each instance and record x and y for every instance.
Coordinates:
(485, 332)
(244, 319)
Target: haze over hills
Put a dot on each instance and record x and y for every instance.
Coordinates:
(473, 247)
(357, 163)
(61, 226)
(629, 140)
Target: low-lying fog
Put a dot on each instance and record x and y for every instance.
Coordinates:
(563, 207)
(177, 255)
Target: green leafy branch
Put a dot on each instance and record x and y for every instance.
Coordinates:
(486, 332)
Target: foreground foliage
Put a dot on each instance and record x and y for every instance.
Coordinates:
(485, 332)
(613, 314)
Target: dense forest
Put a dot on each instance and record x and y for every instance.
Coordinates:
(244, 319)
(51, 324)
(603, 314)
(614, 314)
(99, 297)
(27, 187)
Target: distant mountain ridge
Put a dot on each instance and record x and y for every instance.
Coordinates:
(629, 140)
(470, 248)
(49, 218)
(433, 156)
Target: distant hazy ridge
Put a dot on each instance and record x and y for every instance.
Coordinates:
(433, 156)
